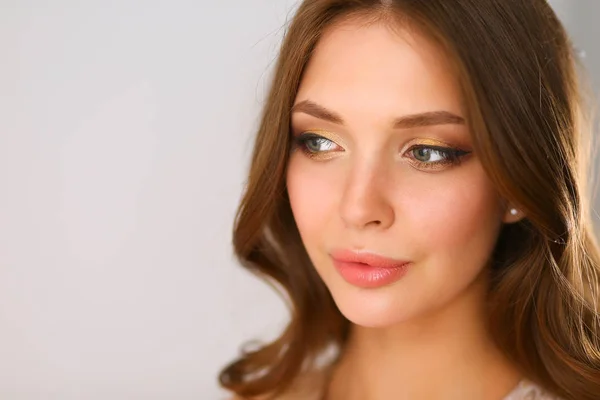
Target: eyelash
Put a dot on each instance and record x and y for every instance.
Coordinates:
(451, 156)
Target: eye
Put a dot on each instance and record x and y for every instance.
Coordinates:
(427, 154)
(434, 157)
(315, 145)
(318, 144)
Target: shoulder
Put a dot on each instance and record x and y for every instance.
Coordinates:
(527, 390)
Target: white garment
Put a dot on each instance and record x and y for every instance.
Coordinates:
(527, 390)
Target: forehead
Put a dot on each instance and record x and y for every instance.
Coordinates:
(371, 70)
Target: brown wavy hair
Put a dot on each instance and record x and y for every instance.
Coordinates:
(526, 113)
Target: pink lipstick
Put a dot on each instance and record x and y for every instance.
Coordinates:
(368, 270)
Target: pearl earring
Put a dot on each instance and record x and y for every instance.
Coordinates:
(514, 211)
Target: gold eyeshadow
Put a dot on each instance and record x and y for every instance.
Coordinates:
(334, 137)
(429, 142)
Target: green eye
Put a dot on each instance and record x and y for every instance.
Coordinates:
(434, 157)
(429, 155)
(318, 144)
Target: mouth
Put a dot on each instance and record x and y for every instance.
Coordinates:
(368, 270)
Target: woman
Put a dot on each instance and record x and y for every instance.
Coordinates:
(417, 191)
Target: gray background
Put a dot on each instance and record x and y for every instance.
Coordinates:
(125, 134)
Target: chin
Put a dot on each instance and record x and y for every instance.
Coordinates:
(372, 308)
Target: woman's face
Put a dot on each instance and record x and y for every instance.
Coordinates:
(383, 166)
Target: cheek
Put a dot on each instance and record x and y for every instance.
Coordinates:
(312, 195)
(454, 219)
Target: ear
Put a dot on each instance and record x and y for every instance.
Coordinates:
(512, 214)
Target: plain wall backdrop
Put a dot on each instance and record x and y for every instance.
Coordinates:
(125, 134)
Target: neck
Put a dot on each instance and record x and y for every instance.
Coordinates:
(447, 354)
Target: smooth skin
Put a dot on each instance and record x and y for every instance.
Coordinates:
(383, 163)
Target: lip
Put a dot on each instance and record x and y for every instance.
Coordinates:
(368, 270)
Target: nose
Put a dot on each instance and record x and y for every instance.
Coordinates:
(364, 204)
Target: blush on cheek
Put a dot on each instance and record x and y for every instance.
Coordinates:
(455, 216)
(312, 194)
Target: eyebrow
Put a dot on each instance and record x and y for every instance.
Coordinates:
(429, 118)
